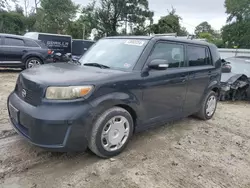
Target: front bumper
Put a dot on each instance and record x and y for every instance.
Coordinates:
(58, 127)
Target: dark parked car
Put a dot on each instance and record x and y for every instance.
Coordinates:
(20, 52)
(235, 79)
(61, 45)
(121, 85)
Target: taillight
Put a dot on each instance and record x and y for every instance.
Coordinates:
(50, 52)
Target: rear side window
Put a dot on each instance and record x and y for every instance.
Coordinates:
(173, 53)
(31, 43)
(13, 42)
(198, 56)
(42, 44)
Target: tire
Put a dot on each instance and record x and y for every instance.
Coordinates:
(32, 59)
(203, 113)
(103, 124)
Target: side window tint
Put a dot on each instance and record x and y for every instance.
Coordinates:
(198, 56)
(13, 42)
(31, 43)
(173, 53)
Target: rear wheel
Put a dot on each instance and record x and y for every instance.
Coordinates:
(111, 132)
(208, 106)
(32, 62)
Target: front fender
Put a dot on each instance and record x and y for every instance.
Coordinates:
(115, 99)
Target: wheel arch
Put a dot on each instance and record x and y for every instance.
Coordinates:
(28, 56)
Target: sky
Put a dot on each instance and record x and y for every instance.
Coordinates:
(193, 12)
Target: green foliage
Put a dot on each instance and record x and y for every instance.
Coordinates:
(238, 9)
(4, 4)
(169, 24)
(205, 31)
(204, 27)
(12, 22)
(57, 15)
(237, 31)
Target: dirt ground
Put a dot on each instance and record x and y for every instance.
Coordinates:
(189, 153)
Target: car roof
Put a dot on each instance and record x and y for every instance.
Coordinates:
(16, 36)
(167, 38)
(83, 40)
(52, 34)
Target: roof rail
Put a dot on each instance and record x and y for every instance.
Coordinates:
(191, 37)
(166, 34)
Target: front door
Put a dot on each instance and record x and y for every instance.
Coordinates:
(12, 50)
(201, 71)
(164, 91)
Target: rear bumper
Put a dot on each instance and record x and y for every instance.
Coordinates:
(48, 60)
(60, 127)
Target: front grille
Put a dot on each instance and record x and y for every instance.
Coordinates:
(33, 91)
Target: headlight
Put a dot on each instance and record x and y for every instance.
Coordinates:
(70, 92)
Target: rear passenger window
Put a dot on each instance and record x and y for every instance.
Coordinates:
(198, 56)
(13, 42)
(31, 43)
(173, 53)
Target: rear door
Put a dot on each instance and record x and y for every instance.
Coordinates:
(12, 50)
(201, 69)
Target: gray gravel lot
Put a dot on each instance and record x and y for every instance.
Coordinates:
(189, 153)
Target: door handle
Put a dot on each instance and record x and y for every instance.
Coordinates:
(209, 73)
(25, 51)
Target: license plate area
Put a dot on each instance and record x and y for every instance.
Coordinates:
(14, 113)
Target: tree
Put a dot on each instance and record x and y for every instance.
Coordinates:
(114, 15)
(4, 4)
(204, 27)
(26, 6)
(57, 15)
(169, 24)
(183, 32)
(12, 22)
(237, 30)
(136, 15)
(239, 10)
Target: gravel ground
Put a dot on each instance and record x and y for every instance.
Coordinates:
(189, 153)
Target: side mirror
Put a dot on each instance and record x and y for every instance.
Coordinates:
(158, 64)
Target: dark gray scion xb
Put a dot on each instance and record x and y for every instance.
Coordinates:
(120, 86)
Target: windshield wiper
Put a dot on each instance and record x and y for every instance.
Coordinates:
(97, 65)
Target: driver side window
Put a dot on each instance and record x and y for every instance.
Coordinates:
(173, 53)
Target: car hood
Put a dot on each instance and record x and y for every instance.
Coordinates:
(69, 74)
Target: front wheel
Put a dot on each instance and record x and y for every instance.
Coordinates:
(111, 132)
(208, 106)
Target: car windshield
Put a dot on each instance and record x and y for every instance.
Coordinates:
(115, 53)
(240, 66)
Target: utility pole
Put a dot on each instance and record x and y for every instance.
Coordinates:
(83, 31)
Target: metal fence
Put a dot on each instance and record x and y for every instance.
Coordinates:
(227, 52)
